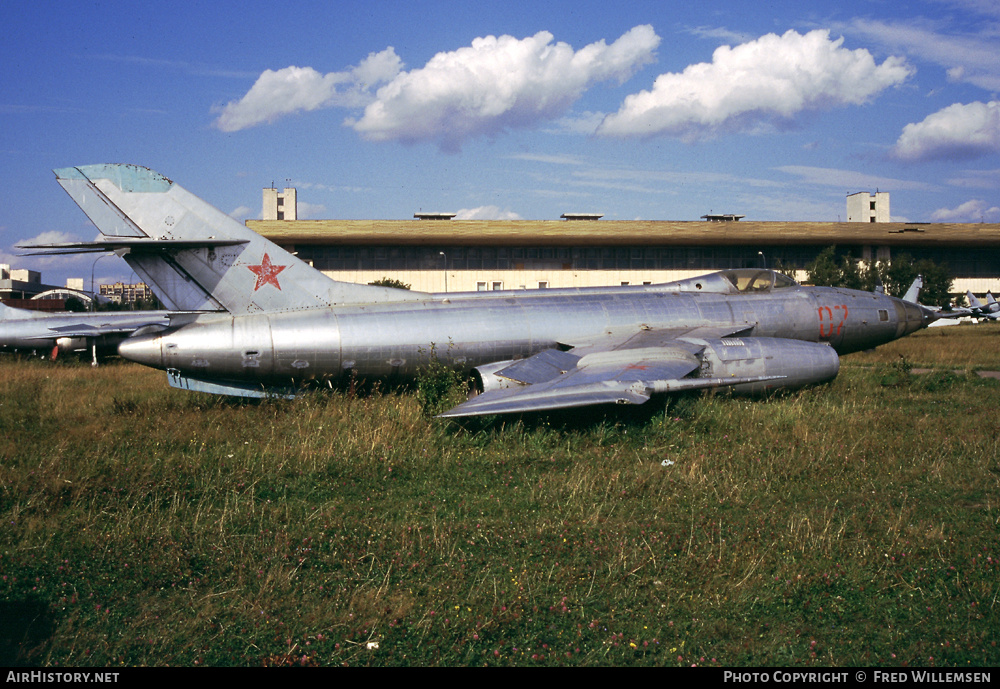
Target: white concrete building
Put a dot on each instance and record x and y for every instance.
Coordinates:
(866, 207)
(280, 205)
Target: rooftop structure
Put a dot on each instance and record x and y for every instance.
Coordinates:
(581, 216)
(281, 205)
(722, 217)
(64, 294)
(434, 216)
(21, 283)
(866, 207)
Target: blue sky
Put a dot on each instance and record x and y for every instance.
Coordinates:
(647, 110)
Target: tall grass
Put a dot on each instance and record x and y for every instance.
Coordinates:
(854, 523)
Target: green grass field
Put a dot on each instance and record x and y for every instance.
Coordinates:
(854, 523)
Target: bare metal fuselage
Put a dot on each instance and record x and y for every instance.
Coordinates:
(470, 330)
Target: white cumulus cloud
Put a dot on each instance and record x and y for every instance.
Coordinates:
(975, 210)
(241, 213)
(967, 53)
(497, 84)
(310, 211)
(957, 132)
(50, 237)
(486, 213)
(295, 89)
(757, 84)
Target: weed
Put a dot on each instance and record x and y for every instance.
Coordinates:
(897, 373)
(439, 387)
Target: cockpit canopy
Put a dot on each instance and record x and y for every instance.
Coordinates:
(737, 281)
(753, 280)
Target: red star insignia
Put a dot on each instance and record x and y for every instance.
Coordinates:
(636, 367)
(267, 273)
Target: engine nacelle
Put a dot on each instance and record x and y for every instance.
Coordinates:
(72, 344)
(799, 363)
(486, 379)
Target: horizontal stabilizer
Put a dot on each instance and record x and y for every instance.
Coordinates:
(134, 245)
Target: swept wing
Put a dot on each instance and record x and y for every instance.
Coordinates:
(630, 369)
(23, 330)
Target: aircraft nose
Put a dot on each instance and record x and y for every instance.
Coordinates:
(142, 349)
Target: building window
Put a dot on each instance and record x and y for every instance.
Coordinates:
(543, 285)
(497, 285)
(480, 286)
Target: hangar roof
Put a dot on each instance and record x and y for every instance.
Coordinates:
(622, 232)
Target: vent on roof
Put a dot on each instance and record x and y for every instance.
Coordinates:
(581, 216)
(434, 216)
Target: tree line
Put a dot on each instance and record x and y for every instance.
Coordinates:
(896, 275)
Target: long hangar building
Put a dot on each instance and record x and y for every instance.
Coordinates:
(436, 253)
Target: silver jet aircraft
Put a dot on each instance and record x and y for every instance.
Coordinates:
(61, 333)
(990, 310)
(283, 323)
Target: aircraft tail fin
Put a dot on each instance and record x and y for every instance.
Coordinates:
(990, 310)
(194, 256)
(913, 294)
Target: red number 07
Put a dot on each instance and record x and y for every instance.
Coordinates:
(832, 319)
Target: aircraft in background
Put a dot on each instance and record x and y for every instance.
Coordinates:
(285, 323)
(22, 330)
(990, 310)
(976, 312)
